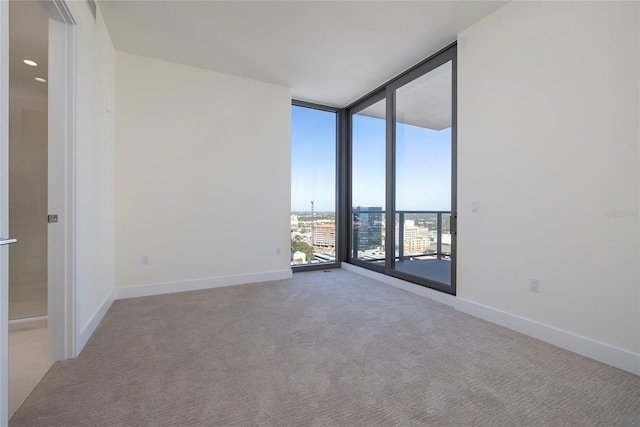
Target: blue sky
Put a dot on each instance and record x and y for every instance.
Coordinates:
(423, 163)
(313, 159)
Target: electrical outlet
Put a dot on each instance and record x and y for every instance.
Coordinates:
(145, 260)
(534, 284)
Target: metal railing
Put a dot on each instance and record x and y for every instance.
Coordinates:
(379, 216)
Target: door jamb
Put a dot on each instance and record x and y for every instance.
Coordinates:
(4, 220)
(63, 330)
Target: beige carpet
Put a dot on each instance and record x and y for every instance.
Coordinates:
(322, 349)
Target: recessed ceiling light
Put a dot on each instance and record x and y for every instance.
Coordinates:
(30, 62)
(40, 79)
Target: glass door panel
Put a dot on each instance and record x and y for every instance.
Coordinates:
(423, 160)
(368, 151)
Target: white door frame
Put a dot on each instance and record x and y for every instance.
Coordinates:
(4, 211)
(63, 329)
(61, 284)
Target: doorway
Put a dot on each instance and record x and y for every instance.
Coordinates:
(403, 176)
(28, 198)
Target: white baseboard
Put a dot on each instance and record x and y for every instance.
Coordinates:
(584, 346)
(93, 323)
(198, 284)
(434, 295)
(25, 323)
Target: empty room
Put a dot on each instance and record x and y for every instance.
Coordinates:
(325, 213)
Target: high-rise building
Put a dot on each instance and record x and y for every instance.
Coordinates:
(367, 228)
(416, 245)
(324, 235)
(409, 231)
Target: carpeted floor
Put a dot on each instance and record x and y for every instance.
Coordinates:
(323, 349)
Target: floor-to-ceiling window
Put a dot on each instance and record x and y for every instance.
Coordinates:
(368, 146)
(402, 176)
(314, 132)
(386, 201)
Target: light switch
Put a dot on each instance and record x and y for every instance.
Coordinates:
(474, 207)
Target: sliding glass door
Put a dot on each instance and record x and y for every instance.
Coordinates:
(403, 176)
(422, 175)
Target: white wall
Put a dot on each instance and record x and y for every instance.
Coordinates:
(95, 148)
(202, 177)
(548, 145)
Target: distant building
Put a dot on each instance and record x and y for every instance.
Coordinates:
(445, 246)
(416, 245)
(414, 239)
(294, 221)
(367, 228)
(324, 235)
(423, 232)
(298, 257)
(410, 232)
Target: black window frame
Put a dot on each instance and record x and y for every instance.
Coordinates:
(387, 91)
(338, 257)
(344, 170)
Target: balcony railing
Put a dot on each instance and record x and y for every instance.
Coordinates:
(368, 224)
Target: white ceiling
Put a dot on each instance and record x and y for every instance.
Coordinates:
(327, 52)
(424, 102)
